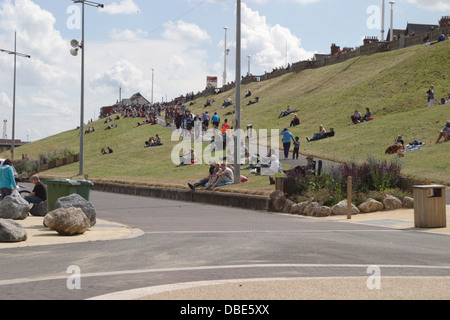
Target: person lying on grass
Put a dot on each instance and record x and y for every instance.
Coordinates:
(322, 136)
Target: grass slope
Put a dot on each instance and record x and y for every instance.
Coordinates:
(392, 84)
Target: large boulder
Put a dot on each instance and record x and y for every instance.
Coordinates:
(11, 231)
(299, 208)
(278, 200)
(288, 205)
(322, 211)
(408, 202)
(392, 203)
(310, 209)
(67, 221)
(39, 210)
(370, 205)
(14, 208)
(341, 209)
(77, 201)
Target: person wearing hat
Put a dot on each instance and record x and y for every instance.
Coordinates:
(308, 169)
(39, 192)
(445, 133)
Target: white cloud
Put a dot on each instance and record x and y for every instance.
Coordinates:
(123, 7)
(269, 46)
(432, 5)
(127, 34)
(44, 82)
(185, 32)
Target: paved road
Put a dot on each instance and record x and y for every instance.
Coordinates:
(188, 242)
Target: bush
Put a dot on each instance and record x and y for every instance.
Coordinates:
(373, 179)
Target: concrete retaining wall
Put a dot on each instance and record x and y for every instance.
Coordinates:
(259, 203)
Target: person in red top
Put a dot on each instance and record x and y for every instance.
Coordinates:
(225, 126)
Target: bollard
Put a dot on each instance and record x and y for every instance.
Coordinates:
(349, 198)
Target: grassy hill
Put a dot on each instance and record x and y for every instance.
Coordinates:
(392, 84)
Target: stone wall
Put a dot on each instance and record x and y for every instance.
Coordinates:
(207, 197)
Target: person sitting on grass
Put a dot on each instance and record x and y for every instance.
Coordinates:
(224, 177)
(321, 132)
(356, 117)
(204, 181)
(295, 121)
(188, 158)
(367, 115)
(445, 133)
(308, 169)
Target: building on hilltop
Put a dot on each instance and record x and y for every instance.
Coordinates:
(137, 98)
(5, 144)
(444, 22)
(397, 34)
(413, 29)
(368, 40)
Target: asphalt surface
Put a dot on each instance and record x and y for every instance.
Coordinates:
(145, 248)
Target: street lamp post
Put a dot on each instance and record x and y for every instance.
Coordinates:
(82, 47)
(248, 73)
(153, 80)
(382, 20)
(225, 59)
(391, 38)
(15, 53)
(237, 138)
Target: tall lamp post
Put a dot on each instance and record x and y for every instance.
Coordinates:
(15, 53)
(76, 46)
(382, 20)
(226, 51)
(391, 37)
(153, 80)
(237, 112)
(249, 57)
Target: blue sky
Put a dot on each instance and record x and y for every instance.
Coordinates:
(183, 40)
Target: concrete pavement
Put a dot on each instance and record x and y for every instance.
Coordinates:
(261, 289)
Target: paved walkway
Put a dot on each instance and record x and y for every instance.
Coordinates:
(304, 288)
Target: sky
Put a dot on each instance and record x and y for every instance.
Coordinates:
(164, 49)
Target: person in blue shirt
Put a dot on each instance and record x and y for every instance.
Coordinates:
(445, 133)
(7, 180)
(215, 120)
(287, 137)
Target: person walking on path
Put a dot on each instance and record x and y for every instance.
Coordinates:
(7, 180)
(287, 137)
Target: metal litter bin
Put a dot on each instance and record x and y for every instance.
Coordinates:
(429, 206)
(58, 188)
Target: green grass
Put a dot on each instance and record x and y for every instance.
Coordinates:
(392, 84)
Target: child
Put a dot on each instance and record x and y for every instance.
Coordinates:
(296, 148)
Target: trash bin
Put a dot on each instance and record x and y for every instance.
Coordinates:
(84, 189)
(58, 188)
(429, 206)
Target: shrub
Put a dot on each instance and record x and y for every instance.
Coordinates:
(373, 179)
